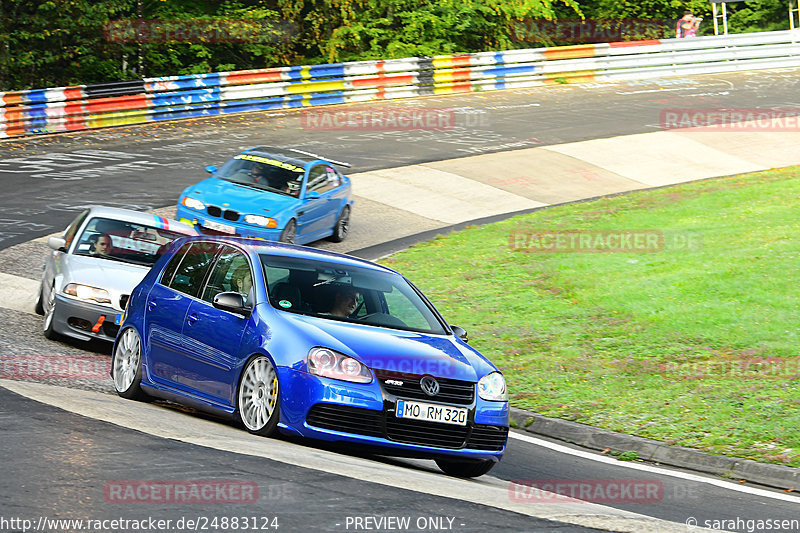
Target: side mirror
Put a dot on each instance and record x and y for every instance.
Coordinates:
(211, 169)
(232, 302)
(57, 243)
(312, 195)
(460, 332)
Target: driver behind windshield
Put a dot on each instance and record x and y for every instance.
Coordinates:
(345, 301)
(258, 174)
(101, 244)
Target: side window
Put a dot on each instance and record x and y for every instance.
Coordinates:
(172, 266)
(231, 272)
(322, 178)
(333, 177)
(188, 277)
(317, 179)
(72, 229)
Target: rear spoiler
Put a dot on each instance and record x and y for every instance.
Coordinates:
(340, 163)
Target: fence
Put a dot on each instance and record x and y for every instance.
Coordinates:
(39, 111)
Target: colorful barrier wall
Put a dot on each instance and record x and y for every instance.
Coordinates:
(42, 111)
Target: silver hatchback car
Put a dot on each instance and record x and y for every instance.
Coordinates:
(93, 267)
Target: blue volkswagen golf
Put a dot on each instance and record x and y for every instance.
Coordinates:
(314, 344)
(277, 194)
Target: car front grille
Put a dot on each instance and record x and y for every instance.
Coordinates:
(368, 422)
(227, 214)
(79, 323)
(110, 329)
(490, 438)
(450, 390)
(347, 419)
(426, 433)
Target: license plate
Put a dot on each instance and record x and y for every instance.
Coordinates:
(118, 319)
(431, 412)
(216, 226)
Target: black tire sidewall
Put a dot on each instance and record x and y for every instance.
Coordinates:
(337, 229)
(49, 331)
(464, 468)
(289, 224)
(39, 307)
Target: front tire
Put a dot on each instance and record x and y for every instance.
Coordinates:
(39, 307)
(258, 397)
(464, 467)
(342, 225)
(126, 366)
(289, 233)
(49, 310)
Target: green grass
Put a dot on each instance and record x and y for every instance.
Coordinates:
(691, 345)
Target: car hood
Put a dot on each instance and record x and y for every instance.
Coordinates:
(393, 351)
(116, 277)
(242, 198)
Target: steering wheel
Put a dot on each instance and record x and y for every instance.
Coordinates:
(383, 319)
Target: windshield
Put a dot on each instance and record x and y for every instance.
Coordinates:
(263, 173)
(345, 293)
(128, 242)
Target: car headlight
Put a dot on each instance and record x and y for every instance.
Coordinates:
(329, 364)
(193, 203)
(261, 221)
(492, 387)
(85, 292)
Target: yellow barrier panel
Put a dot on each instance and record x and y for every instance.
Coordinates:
(119, 118)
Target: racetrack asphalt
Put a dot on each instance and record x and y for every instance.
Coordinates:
(521, 150)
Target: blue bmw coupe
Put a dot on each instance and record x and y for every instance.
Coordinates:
(314, 344)
(277, 194)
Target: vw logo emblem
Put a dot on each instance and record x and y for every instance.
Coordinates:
(429, 386)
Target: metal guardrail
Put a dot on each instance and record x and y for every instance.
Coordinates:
(39, 111)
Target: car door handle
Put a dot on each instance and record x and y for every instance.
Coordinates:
(152, 305)
(192, 318)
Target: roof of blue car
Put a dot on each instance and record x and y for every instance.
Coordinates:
(260, 246)
(287, 155)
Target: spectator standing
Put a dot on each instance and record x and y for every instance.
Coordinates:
(687, 25)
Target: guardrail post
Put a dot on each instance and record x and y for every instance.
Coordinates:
(723, 14)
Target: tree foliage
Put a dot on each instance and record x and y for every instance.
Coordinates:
(46, 43)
